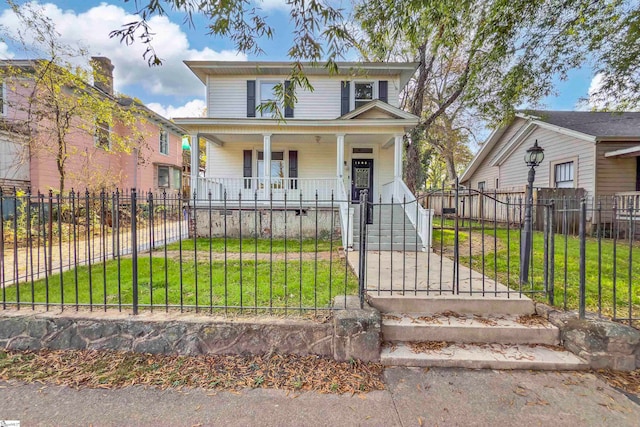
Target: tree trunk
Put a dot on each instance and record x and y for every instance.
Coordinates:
(413, 169)
(452, 175)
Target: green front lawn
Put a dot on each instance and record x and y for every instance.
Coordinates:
(505, 263)
(217, 245)
(247, 284)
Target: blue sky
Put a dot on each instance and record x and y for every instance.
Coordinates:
(172, 89)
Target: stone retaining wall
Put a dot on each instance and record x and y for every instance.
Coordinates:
(267, 223)
(603, 343)
(351, 333)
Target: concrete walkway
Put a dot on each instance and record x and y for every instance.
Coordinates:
(423, 273)
(414, 397)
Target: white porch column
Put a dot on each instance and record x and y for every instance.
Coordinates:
(397, 165)
(195, 165)
(266, 150)
(339, 155)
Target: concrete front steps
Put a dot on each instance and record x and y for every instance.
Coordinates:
(469, 332)
(391, 230)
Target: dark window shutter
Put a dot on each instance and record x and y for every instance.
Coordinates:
(382, 91)
(288, 110)
(344, 98)
(247, 172)
(293, 168)
(251, 98)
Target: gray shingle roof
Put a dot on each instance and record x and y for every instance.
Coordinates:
(598, 124)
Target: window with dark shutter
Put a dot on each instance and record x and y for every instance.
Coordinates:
(382, 91)
(251, 98)
(288, 110)
(344, 98)
(293, 169)
(247, 172)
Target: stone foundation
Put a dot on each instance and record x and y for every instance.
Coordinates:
(267, 223)
(351, 333)
(603, 343)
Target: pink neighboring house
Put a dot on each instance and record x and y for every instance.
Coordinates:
(155, 166)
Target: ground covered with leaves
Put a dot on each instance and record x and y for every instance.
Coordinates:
(627, 381)
(110, 369)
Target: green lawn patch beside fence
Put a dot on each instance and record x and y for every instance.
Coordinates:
(246, 284)
(606, 276)
(249, 244)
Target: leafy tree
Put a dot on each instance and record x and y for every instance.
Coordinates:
(50, 100)
(486, 57)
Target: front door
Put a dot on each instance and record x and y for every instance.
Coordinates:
(362, 179)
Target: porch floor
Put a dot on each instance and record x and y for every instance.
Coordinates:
(395, 272)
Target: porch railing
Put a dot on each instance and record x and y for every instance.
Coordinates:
(346, 214)
(626, 203)
(419, 217)
(247, 188)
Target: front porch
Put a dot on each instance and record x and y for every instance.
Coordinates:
(302, 165)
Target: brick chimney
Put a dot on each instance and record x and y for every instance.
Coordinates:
(102, 73)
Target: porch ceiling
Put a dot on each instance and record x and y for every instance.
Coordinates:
(327, 139)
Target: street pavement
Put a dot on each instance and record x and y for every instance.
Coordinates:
(413, 397)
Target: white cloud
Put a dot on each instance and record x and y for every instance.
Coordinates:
(272, 4)
(92, 28)
(5, 53)
(194, 108)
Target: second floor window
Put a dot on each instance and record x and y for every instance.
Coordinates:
(267, 94)
(164, 142)
(102, 135)
(363, 93)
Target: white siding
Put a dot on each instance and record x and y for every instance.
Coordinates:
(487, 173)
(614, 174)
(227, 96)
(314, 160)
(558, 148)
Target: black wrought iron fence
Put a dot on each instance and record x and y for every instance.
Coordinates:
(143, 251)
(583, 253)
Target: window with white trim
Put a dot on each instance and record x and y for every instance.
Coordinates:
(267, 94)
(482, 185)
(563, 175)
(164, 142)
(278, 171)
(363, 92)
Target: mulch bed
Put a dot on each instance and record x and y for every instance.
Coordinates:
(110, 369)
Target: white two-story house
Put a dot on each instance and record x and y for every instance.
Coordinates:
(343, 137)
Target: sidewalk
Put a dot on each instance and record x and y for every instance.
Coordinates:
(413, 397)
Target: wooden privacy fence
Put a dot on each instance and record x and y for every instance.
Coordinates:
(501, 206)
(505, 206)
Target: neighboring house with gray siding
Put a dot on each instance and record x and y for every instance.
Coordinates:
(596, 151)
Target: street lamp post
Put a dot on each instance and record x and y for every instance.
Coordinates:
(533, 157)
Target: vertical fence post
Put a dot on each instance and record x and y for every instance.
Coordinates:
(552, 252)
(456, 242)
(545, 258)
(134, 248)
(582, 236)
(362, 264)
